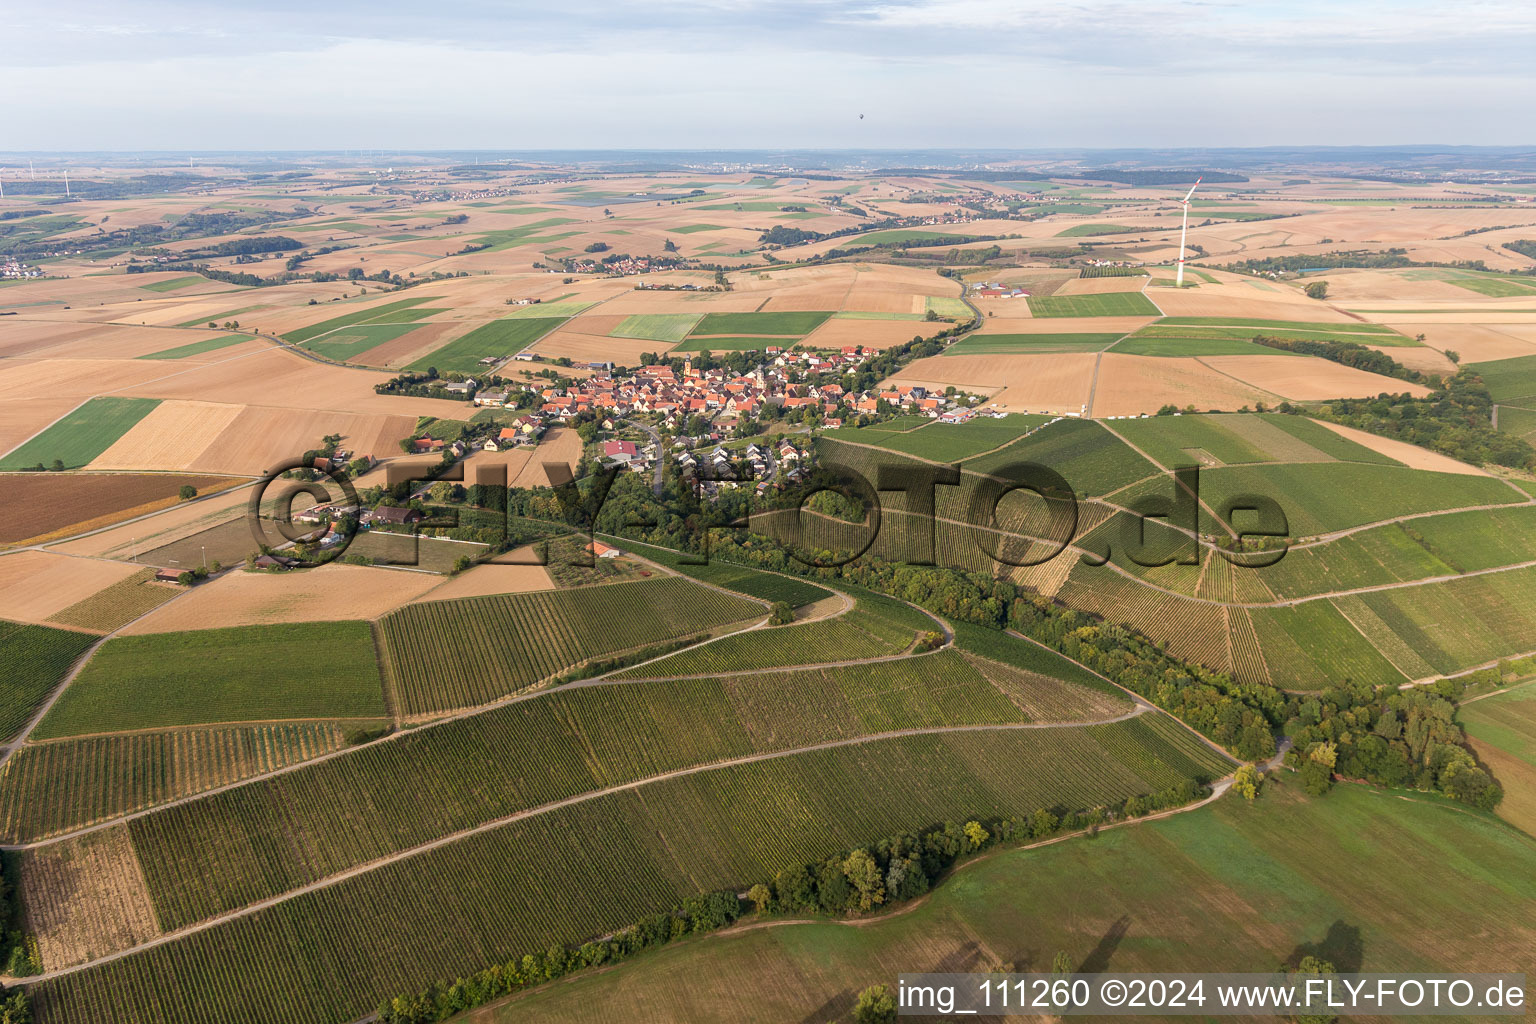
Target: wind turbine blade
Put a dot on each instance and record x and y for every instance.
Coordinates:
(1192, 188)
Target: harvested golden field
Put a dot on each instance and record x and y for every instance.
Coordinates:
(1279, 305)
(409, 347)
(21, 418)
(1475, 344)
(324, 594)
(561, 444)
(873, 334)
(259, 437)
(1009, 309)
(886, 289)
(1101, 285)
(171, 437)
(582, 348)
(494, 578)
(1410, 455)
(22, 379)
(1420, 357)
(1057, 382)
(85, 897)
(1130, 385)
(1306, 378)
(36, 585)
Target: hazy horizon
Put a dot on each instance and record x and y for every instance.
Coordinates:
(733, 74)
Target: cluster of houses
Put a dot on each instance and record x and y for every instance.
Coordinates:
(1001, 291)
(12, 270)
(523, 431)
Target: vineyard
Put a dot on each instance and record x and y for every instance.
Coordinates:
(876, 627)
(455, 654)
(241, 674)
(220, 852)
(331, 955)
(117, 605)
(52, 787)
(764, 586)
(35, 659)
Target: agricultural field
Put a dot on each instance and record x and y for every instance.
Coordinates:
(48, 505)
(117, 605)
(1107, 304)
(499, 339)
(198, 348)
(946, 442)
(452, 654)
(485, 898)
(37, 659)
(81, 435)
(1203, 878)
(765, 586)
(242, 674)
(672, 327)
(1017, 344)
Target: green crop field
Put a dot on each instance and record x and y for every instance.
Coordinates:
(81, 435)
(197, 348)
(1091, 459)
(1497, 287)
(173, 284)
(36, 659)
(509, 238)
(876, 627)
(1204, 877)
(452, 654)
(1316, 436)
(348, 343)
(499, 338)
(494, 895)
(901, 236)
(1503, 729)
(545, 310)
(1180, 347)
(117, 605)
(53, 787)
(239, 674)
(952, 442)
(1017, 344)
(766, 586)
(1089, 230)
(1463, 622)
(688, 229)
(1272, 328)
(948, 305)
(656, 326)
(1509, 379)
(1310, 646)
(796, 323)
(1107, 304)
(358, 316)
(1261, 326)
(1241, 438)
(727, 343)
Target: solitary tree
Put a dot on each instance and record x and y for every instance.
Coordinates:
(1317, 290)
(876, 1005)
(1246, 782)
(187, 492)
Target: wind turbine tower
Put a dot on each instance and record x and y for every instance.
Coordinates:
(1178, 281)
(66, 190)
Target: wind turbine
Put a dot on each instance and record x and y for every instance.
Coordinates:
(1178, 281)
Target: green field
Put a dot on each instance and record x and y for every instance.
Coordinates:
(453, 654)
(240, 674)
(1091, 459)
(1106, 304)
(1238, 438)
(372, 314)
(876, 627)
(952, 442)
(173, 284)
(688, 229)
(1089, 230)
(949, 306)
(726, 343)
(348, 343)
(902, 236)
(197, 348)
(766, 586)
(796, 323)
(219, 317)
(508, 238)
(1503, 730)
(1247, 885)
(656, 326)
(81, 435)
(1164, 329)
(1509, 379)
(545, 310)
(1016, 344)
(494, 895)
(35, 659)
(499, 338)
(1269, 326)
(1180, 347)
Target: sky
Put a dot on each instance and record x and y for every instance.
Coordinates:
(742, 74)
